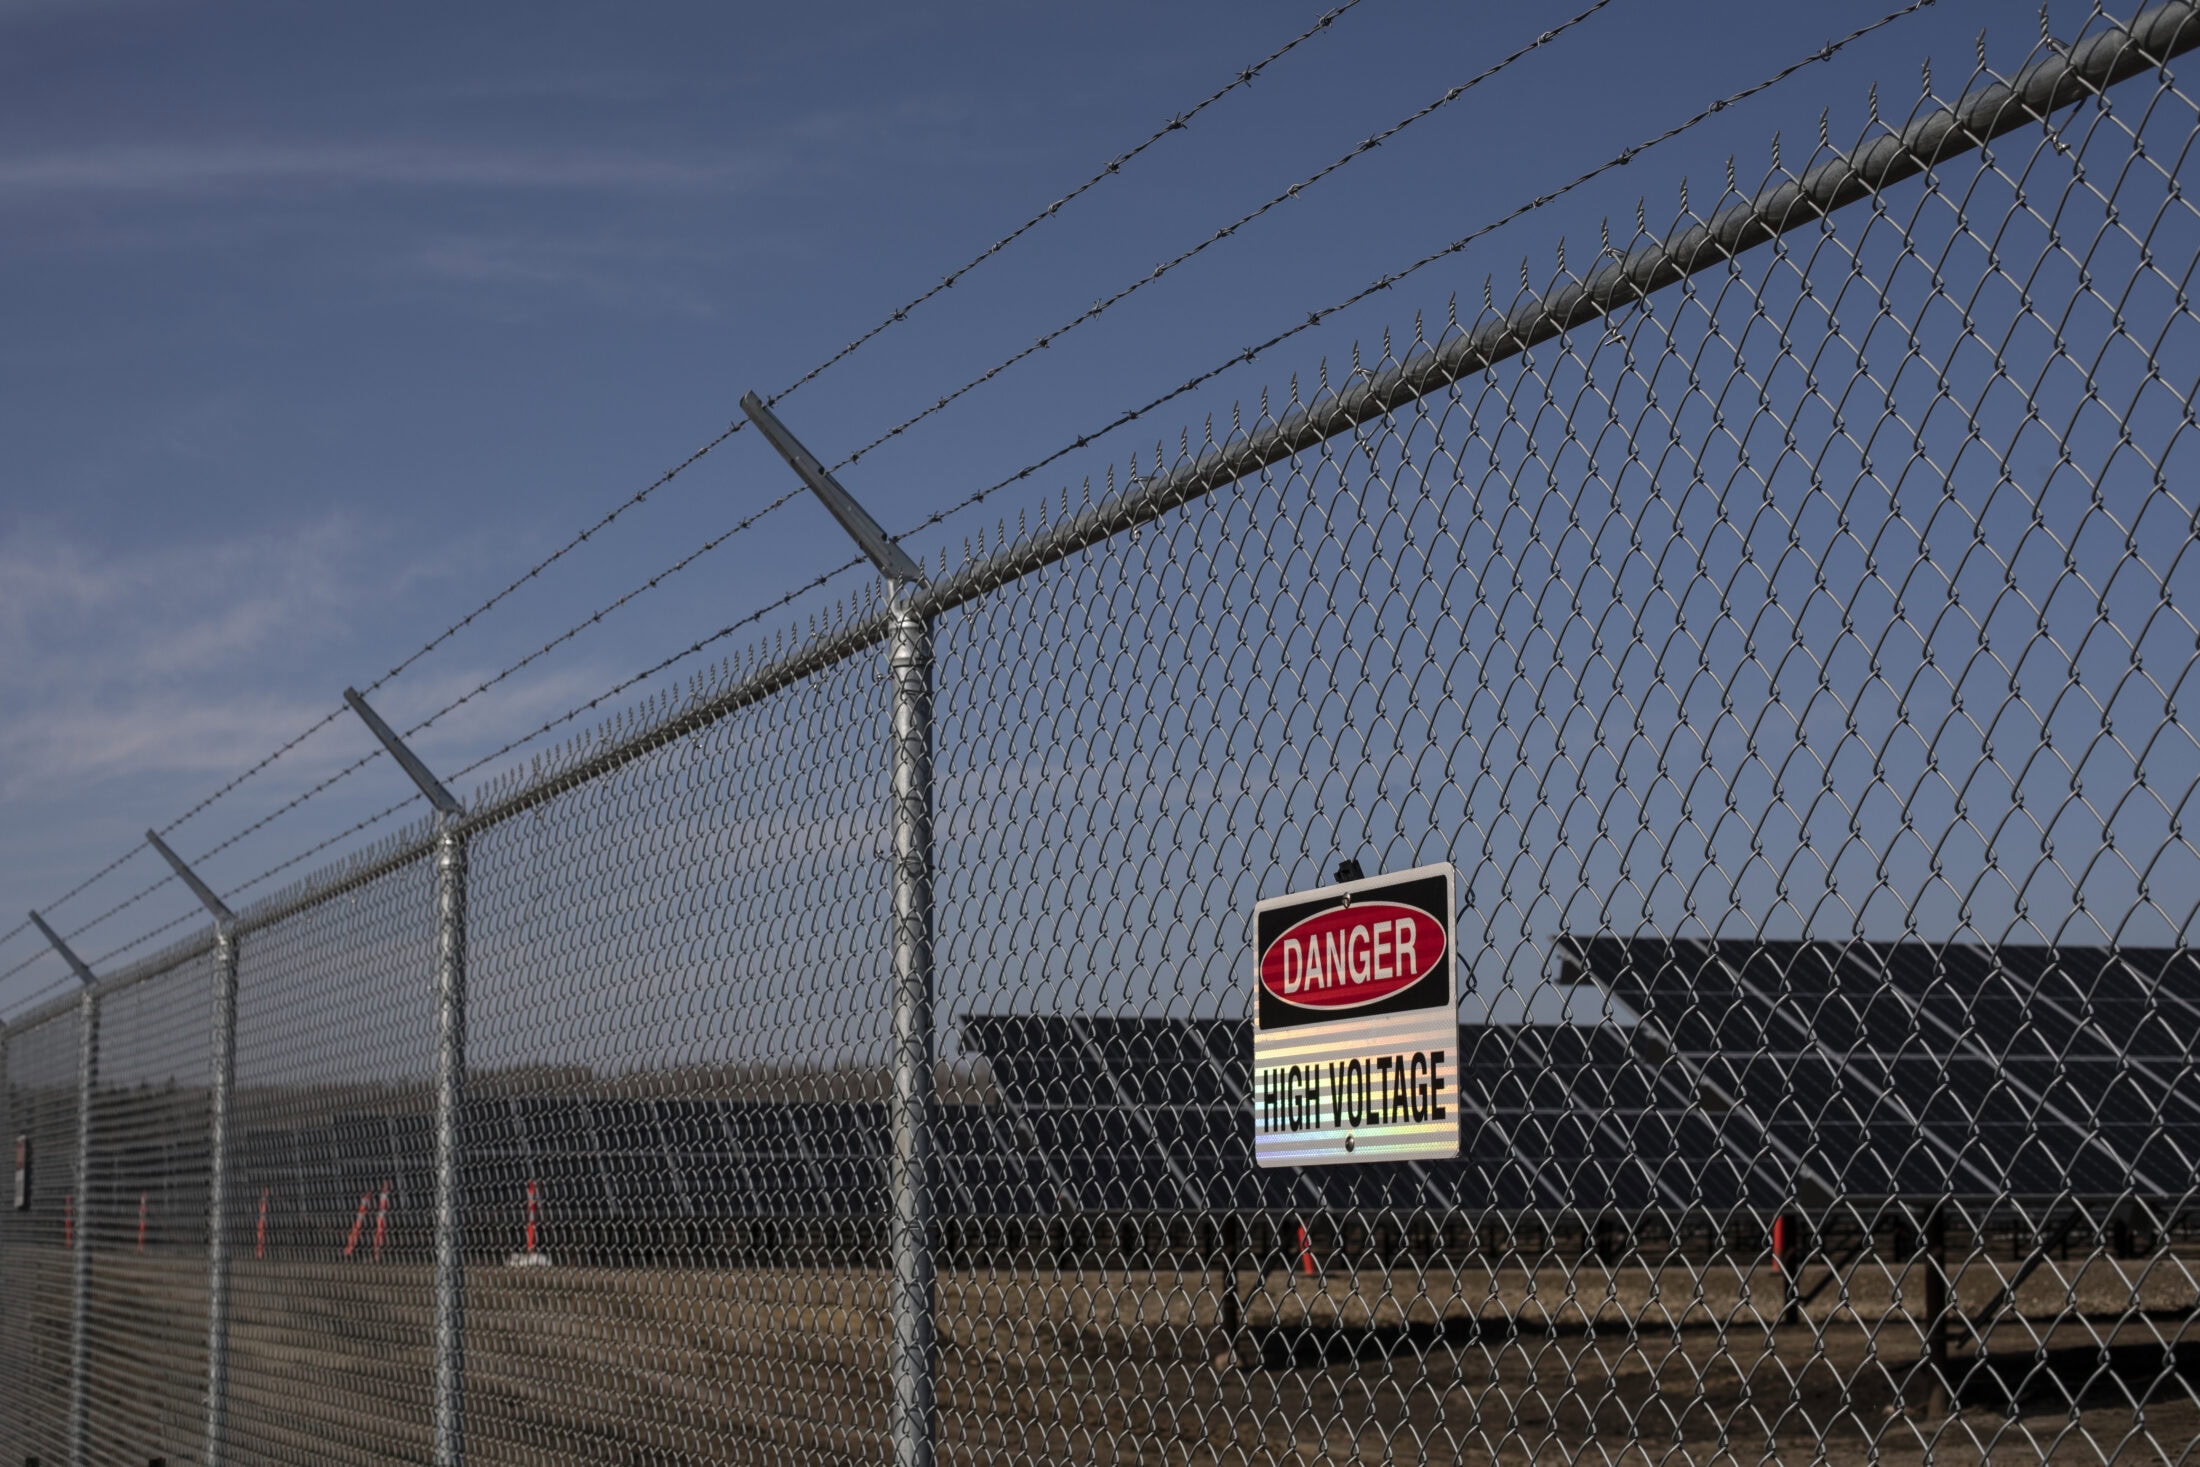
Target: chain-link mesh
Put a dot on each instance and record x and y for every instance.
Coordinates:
(36, 1269)
(335, 1046)
(673, 1135)
(144, 1217)
(1791, 659)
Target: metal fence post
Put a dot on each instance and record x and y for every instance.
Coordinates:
(450, 1092)
(910, 659)
(216, 1446)
(909, 1108)
(80, 1302)
(216, 1449)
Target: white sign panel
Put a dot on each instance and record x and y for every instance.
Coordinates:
(1355, 1022)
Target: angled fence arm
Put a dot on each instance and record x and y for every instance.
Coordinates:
(216, 1449)
(909, 666)
(450, 1090)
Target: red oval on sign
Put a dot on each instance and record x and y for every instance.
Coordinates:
(1350, 956)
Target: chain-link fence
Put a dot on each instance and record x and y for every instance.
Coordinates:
(1782, 625)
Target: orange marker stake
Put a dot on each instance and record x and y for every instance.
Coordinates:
(68, 1221)
(1306, 1253)
(358, 1225)
(381, 1222)
(259, 1235)
(534, 1212)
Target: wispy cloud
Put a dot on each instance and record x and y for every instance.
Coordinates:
(192, 661)
(143, 661)
(200, 168)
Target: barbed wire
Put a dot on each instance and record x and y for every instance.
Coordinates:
(1107, 303)
(593, 619)
(323, 722)
(38, 995)
(1382, 283)
(25, 962)
(1249, 354)
(746, 620)
(1112, 167)
(75, 891)
(314, 850)
(565, 636)
(124, 905)
(533, 571)
(1825, 53)
(434, 642)
(95, 964)
(561, 720)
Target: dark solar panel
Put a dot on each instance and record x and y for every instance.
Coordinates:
(1901, 1067)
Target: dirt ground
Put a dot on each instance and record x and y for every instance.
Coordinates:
(2099, 1361)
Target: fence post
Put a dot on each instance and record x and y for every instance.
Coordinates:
(450, 1092)
(909, 661)
(216, 1448)
(80, 1302)
(217, 1197)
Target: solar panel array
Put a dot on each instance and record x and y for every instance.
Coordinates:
(1920, 1070)
(1760, 1074)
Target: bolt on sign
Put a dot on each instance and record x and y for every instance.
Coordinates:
(1355, 1022)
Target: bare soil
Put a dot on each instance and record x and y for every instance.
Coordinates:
(2098, 1361)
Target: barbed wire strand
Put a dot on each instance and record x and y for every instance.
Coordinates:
(1107, 303)
(1382, 283)
(562, 719)
(532, 572)
(597, 616)
(565, 636)
(196, 914)
(122, 906)
(1114, 166)
(323, 722)
(26, 962)
(1245, 77)
(1314, 318)
(746, 620)
(75, 891)
(426, 648)
(314, 850)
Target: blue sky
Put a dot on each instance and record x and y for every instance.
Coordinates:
(324, 323)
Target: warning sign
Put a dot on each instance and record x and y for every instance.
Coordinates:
(1355, 1022)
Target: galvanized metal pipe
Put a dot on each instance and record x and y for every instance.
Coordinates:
(80, 1306)
(216, 1450)
(910, 1242)
(450, 1095)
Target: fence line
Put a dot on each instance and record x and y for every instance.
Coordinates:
(1856, 1090)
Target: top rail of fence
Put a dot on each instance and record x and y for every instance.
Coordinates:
(1620, 279)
